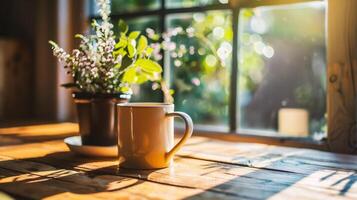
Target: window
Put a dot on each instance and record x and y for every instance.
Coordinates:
(201, 78)
(256, 68)
(144, 92)
(282, 69)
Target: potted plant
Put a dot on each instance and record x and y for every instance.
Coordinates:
(103, 68)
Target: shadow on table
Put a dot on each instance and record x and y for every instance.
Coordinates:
(38, 176)
(76, 176)
(15, 139)
(270, 180)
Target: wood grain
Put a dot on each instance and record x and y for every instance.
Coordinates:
(342, 75)
(204, 169)
(15, 79)
(45, 64)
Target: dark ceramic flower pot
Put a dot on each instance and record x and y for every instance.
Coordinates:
(97, 118)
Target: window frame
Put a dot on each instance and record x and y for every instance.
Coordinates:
(233, 133)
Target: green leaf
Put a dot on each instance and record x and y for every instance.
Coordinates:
(53, 43)
(120, 51)
(94, 23)
(123, 41)
(149, 51)
(143, 43)
(117, 65)
(125, 89)
(130, 76)
(142, 78)
(149, 66)
(80, 36)
(155, 37)
(123, 27)
(133, 35)
(131, 48)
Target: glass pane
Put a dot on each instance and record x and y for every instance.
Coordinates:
(282, 69)
(123, 6)
(192, 3)
(92, 7)
(142, 23)
(200, 63)
(144, 92)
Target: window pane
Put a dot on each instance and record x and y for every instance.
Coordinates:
(144, 92)
(122, 6)
(193, 3)
(200, 64)
(282, 69)
(142, 23)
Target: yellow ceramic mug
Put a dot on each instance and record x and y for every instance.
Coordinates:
(146, 134)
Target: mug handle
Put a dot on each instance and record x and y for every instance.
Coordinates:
(188, 132)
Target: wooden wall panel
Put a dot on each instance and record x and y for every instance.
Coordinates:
(17, 19)
(45, 66)
(15, 79)
(57, 20)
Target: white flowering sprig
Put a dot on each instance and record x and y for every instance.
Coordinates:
(102, 65)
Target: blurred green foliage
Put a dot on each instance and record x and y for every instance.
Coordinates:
(201, 80)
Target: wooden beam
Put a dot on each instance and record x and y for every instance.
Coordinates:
(45, 67)
(15, 79)
(65, 40)
(342, 75)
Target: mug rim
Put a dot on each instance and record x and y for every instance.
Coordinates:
(145, 104)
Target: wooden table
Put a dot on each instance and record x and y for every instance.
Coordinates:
(36, 164)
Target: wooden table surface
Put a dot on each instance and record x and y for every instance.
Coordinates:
(36, 164)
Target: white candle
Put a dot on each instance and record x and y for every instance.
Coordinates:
(293, 122)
